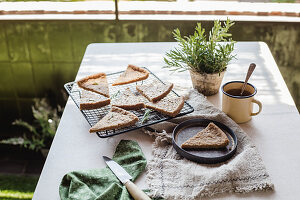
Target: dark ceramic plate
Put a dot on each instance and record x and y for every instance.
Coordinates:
(189, 128)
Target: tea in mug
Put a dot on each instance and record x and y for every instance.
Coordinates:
(237, 92)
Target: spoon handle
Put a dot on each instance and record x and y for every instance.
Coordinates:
(249, 73)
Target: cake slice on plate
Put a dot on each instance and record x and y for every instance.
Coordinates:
(128, 101)
(115, 118)
(95, 83)
(155, 90)
(167, 106)
(131, 75)
(212, 137)
(91, 100)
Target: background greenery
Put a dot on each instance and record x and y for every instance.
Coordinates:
(38, 57)
(14, 187)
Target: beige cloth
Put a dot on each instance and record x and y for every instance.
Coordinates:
(173, 177)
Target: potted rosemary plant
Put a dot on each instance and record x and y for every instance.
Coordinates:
(205, 58)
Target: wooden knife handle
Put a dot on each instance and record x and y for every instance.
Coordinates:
(136, 192)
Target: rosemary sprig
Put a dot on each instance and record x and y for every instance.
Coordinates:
(115, 94)
(146, 116)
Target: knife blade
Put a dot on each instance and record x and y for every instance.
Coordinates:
(119, 171)
(124, 177)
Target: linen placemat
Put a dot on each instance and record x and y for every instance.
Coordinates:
(171, 176)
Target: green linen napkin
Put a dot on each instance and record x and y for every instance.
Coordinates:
(102, 184)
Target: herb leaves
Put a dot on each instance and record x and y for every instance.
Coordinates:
(198, 54)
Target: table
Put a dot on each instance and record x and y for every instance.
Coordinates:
(275, 131)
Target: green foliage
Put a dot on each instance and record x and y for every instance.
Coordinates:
(17, 187)
(115, 95)
(146, 116)
(198, 54)
(42, 131)
(14, 141)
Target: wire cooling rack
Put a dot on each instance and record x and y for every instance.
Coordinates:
(93, 116)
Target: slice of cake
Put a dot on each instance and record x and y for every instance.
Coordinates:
(155, 90)
(132, 74)
(211, 137)
(167, 106)
(128, 101)
(95, 83)
(116, 118)
(91, 100)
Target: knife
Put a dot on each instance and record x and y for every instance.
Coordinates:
(124, 177)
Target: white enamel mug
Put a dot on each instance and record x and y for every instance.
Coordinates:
(239, 108)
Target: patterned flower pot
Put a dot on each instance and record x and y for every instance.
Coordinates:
(207, 84)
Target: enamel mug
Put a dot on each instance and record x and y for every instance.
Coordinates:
(239, 108)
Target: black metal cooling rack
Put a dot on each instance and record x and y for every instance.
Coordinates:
(93, 116)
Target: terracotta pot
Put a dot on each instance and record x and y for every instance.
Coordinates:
(207, 84)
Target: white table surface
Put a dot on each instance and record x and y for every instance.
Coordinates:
(275, 131)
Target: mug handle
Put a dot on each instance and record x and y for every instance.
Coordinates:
(259, 105)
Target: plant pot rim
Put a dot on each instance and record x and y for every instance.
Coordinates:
(207, 73)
